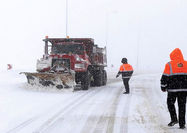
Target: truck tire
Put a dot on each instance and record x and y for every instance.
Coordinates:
(85, 83)
(98, 78)
(104, 77)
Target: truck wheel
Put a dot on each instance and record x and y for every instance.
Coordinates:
(98, 78)
(85, 83)
(104, 77)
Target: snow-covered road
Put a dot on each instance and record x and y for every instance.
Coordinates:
(26, 109)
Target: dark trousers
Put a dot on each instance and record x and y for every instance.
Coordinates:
(181, 99)
(126, 84)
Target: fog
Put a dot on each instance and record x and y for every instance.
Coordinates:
(144, 31)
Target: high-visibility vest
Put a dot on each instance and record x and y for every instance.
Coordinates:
(125, 67)
(176, 68)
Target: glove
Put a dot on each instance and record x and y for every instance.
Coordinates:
(163, 89)
(117, 75)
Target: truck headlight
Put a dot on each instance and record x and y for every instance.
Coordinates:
(78, 66)
(77, 58)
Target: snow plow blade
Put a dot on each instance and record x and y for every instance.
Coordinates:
(60, 80)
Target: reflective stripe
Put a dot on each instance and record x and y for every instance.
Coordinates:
(164, 85)
(179, 74)
(176, 90)
(123, 67)
(171, 71)
(126, 77)
(174, 74)
(166, 74)
(128, 71)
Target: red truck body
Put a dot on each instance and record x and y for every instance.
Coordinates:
(79, 55)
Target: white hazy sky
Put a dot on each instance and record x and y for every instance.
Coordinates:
(144, 31)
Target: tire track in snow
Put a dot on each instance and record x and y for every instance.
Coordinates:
(93, 117)
(85, 115)
(105, 123)
(35, 118)
(22, 125)
(124, 119)
(66, 109)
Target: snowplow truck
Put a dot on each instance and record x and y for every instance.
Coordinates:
(70, 62)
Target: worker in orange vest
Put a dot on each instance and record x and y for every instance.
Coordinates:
(126, 71)
(174, 81)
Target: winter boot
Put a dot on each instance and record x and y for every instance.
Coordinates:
(182, 127)
(172, 123)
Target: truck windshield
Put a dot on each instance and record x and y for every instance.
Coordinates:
(68, 48)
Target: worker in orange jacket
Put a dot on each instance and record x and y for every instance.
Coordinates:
(126, 71)
(174, 81)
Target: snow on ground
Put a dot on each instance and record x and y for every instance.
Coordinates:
(28, 109)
